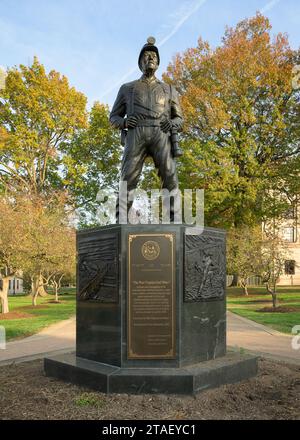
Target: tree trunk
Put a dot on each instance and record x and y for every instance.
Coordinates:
(32, 286)
(56, 290)
(56, 283)
(274, 295)
(4, 295)
(36, 283)
(245, 287)
(34, 293)
(34, 299)
(42, 292)
(235, 280)
(274, 300)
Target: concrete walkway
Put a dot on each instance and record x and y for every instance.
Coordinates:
(57, 338)
(241, 333)
(256, 338)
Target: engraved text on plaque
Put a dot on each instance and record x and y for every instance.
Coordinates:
(151, 296)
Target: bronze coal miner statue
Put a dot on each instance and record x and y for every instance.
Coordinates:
(151, 299)
(148, 113)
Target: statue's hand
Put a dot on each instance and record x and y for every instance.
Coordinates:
(131, 122)
(166, 125)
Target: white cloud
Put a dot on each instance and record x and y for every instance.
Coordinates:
(177, 20)
(269, 6)
(186, 11)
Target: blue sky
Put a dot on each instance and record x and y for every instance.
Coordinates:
(96, 43)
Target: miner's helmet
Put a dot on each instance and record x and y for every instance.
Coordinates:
(150, 46)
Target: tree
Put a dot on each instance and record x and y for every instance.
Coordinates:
(257, 252)
(48, 141)
(10, 259)
(39, 114)
(241, 119)
(274, 252)
(95, 157)
(62, 258)
(50, 241)
(37, 239)
(244, 253)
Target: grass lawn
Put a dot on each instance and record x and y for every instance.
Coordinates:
(27, 320)
(249, 307)
(32, 319)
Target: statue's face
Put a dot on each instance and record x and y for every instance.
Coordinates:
(149, 61)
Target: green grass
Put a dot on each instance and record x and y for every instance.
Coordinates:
(41, 317)
(248, 307)
(89, 399)
(237, 303)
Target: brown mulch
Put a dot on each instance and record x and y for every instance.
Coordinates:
(25, 393)
(279, 309)
(19, 314)
(258, 301)
(31, 307)
(250, 295)
(52, 301)
(15, 315)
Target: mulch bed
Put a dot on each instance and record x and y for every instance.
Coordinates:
(52, 301)
(19, 314)
(25, 393)
(14, 315)
(31, 307)
(279, 309)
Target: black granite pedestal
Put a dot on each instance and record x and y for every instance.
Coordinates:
(151, 312)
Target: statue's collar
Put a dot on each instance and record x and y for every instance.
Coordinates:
(150, 80)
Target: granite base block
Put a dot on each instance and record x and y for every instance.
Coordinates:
(193, 308)
(231, 368)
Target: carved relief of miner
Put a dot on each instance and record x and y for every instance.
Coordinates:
(148, 113)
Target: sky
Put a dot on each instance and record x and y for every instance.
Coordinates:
(96, 43)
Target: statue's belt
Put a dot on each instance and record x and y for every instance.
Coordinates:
(148, 123)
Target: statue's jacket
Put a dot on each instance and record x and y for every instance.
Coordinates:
(150, 101)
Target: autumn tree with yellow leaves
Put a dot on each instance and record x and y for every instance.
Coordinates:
(54, 157)
(242, 120)
(49, 142)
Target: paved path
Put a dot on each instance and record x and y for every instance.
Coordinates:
(241, 332)
(257, 338)
(57, 338)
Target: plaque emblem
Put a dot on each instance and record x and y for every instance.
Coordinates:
(150, 250)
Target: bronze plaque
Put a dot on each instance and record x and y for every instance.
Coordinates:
(151, 296)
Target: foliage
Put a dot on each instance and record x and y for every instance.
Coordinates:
(54, 157)
(244, 253)
(10, 237)
(39, 114)
(10, 258)
(37, 238)
(241, 119)
(253, 251)
(95, 157)
(274, 252)
(49, 143)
